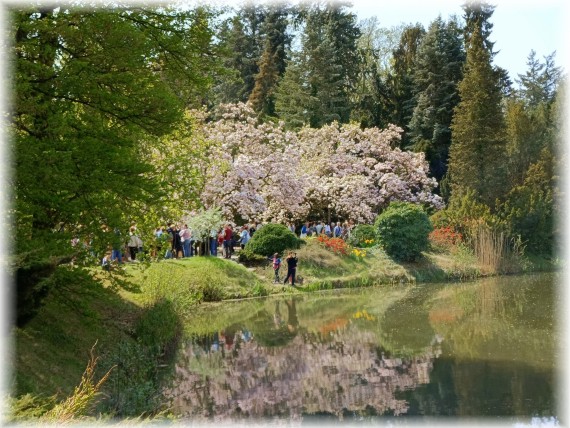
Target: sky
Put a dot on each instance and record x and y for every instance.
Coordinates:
(518, 27)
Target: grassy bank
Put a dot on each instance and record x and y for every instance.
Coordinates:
(135, 316)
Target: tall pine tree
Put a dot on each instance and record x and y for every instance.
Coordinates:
(328, 68)
(400, 80)
(477, 153)
(272, 63)
(439, 69)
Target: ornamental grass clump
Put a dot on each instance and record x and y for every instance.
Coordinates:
(403, 231)
(74, 407)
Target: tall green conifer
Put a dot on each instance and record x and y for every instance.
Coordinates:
(400, 80)
(477, 153)
(272, 63)
(439, 69)
(327, 70)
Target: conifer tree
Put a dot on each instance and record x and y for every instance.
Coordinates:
(530, 117)
(477, 153)
(370, 100)
(400, 80)
(272, 63)
(242, 45)
(477, 15)
(328, 68)
(292, 97)
(439, 69)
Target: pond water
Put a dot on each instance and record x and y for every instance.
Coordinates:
(480, 349)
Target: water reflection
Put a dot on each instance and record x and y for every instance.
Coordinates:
(477, 349)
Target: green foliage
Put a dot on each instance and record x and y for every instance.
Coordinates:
(362, 233)
(403, 230)
(249, 258)
(158, 326)
(272, 61)
(477, 153)
(29, 407)
(134, 384)
(210, 292)
(529, 210)
(193, 280)
(76, 406)
(89, 87)
(272, 238)
(259, 290)
(462, 212)
(439, 65)
(401, 80)
(375, 46)
(317, 91)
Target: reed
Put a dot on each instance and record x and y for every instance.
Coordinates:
(490, 247)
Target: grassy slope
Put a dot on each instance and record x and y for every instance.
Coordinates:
(321, 268)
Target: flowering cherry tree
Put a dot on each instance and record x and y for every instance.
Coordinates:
(261, 171)
(255, 173)
(355, 173)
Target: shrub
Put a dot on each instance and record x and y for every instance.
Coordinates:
(272, 238)
(363, 235)
(403, 230)
(336, 245)
(249, 258)
(445, 237)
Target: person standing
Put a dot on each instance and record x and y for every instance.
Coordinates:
(213, 242)
(117, 245)
(337, 230)
(228, 236)
(319, 227)
(252, 229)
(291, 267)
(186, 237)
(244, 237)
(135, 243)
(276, 266)
(328, 230)
(291, 226)
(221, 241)
(304, 230)
(178, 249)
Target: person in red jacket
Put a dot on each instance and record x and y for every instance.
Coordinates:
(228, 235)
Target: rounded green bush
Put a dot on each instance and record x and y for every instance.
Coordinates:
(362, 233)
(403, 230)
(272, 238)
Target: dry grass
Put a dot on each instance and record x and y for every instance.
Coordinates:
(77, 404)
(490, 248)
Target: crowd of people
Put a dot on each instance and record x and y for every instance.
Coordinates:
(177, 241)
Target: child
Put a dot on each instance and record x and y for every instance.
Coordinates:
(276, 266)
(106, 262)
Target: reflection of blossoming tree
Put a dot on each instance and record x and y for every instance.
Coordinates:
(260, 171)
(305, 376)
